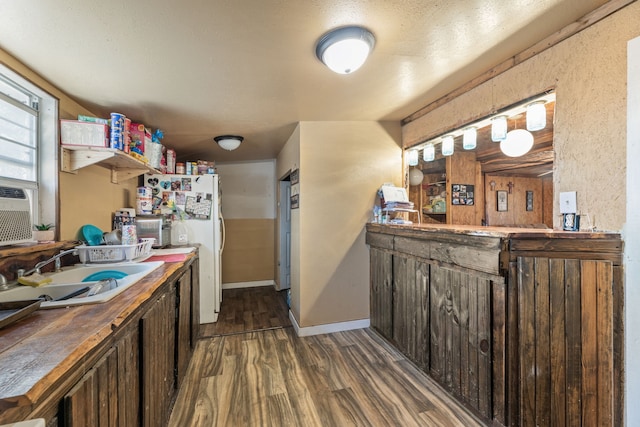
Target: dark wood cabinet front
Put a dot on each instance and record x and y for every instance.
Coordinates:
(523, 328)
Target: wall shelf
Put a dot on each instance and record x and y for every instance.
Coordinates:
(122, 165)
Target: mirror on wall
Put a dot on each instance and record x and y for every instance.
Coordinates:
(464, 187)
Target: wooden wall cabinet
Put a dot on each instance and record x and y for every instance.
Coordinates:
(523, 328)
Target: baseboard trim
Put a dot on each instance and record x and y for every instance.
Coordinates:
(255, 284)
(328, 328)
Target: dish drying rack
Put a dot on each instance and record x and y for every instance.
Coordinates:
(114, 253)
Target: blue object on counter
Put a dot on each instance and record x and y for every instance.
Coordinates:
(106, 274)
(91, 234)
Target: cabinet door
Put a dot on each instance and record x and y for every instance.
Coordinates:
(94, 400)
(461, 336)
(381, 296)
(108, 395)
(157, 329)
(411, 308)
(195, 302)
(184, 345)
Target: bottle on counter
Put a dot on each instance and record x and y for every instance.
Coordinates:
(179, 233)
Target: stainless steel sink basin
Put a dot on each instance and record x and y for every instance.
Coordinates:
(71, 279)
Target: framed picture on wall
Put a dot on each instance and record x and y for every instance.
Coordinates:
(295, 176)
(529, 201)
(501, 201)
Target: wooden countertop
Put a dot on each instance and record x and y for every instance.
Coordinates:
(36, 352)
(500, 232)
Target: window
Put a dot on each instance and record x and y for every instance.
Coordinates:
(28, 143)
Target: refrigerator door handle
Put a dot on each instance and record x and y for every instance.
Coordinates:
(224, 234)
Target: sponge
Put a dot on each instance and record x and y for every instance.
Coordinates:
(34, 280)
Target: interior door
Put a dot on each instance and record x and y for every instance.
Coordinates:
(284, 255)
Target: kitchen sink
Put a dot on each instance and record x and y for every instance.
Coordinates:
(77, 278)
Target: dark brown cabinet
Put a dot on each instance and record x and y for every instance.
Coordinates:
(157, 331)
(437, 316)
(131, 378)
(103, 396)
(185, 341)
(523, 327)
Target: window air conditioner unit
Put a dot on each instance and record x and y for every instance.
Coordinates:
(15, 216)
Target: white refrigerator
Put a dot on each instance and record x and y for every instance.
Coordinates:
(199, 197)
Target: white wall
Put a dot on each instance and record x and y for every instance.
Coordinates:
(632, 239)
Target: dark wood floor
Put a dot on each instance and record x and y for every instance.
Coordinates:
(250, 369)
(249, 309)
(274, 378)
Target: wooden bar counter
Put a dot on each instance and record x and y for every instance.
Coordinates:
(115, 363)
(523, 326)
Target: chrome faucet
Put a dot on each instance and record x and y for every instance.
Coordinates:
(55, 258)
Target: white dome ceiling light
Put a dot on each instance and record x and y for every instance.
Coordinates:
(518, 143)
(415, 176)
(345, 49)
(229, 142)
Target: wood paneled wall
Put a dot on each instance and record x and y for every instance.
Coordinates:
(517, 213)
(462, 168)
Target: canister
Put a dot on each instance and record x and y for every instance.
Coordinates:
(129, 234)
(117, 131)
(143, 201)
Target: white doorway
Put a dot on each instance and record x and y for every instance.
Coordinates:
(283, 279)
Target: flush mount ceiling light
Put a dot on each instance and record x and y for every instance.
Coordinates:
(345, 49)
(229, 142)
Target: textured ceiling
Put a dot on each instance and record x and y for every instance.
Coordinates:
(201, 68)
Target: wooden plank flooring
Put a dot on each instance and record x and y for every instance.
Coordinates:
(274, 378)
(249, 309)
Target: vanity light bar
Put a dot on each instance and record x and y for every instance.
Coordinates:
(502, 115)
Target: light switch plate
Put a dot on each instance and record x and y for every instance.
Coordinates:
(568, 202)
